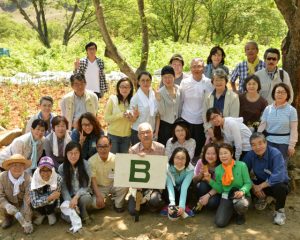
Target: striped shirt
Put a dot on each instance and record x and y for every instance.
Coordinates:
(278, 121)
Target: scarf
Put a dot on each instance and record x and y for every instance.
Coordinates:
(67, 139)
(34, 154)
(148, 101)
(227, 177)
(38, 182)
(16, 182)
(252, 66)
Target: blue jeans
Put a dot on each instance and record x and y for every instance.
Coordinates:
(202, 189)
(119, 144)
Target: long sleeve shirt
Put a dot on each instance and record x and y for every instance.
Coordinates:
(241, 179)
(181, 181)
(76, 189)
(39, 197)
(268, 168)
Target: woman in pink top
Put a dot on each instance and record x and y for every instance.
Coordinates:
(205, 194)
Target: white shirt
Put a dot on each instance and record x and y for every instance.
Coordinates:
(236, 133)
(192, 98)
(92, 76)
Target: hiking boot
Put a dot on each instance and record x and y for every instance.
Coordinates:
(279, 217)
(240, 219)
(164, 211)
(189, 212)
(119, 210)
(51, 219)
(7, 221)
(39, 219)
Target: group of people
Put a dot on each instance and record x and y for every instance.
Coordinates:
(226, 147)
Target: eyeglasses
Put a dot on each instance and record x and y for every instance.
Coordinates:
(145, 81)
(272, 58)
(86, 125)
(45, 171)
(145, 132)
(102, 146)
(281, 92)
(125, 87)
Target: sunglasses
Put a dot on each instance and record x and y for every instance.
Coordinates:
(271, 58)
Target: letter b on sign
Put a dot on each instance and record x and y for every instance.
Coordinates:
(139, 171)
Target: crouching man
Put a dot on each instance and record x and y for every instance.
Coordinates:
(102, 165)
(270, 175)
(14, 192)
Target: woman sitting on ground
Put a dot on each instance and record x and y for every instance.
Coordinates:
(206, 195)
(45, 191)
(46, 104)
(234, 183)
(87, 134)
(180, 138)
(118, 116)
(76, 181)
(55, 143)
(179, 177)
(230, 130)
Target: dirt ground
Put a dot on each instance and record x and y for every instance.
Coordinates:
(107, 224)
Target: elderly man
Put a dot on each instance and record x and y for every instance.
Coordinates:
(193, 90)
(271, 75)
(149, 147)
(93, 70)
(14, 192)
(102, 165)
(270, 175)
(247, 67)
(79, 101)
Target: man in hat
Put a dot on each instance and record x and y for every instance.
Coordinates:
(14, 192)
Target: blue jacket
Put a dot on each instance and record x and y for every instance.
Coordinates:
(270, 168)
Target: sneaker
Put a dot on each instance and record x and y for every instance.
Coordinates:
(240, 219)
(261, 204)
(51, 219)
(65, 218)
(279, 217)
(189, 212)
(7, 222)
(164, 211)
(39, 219)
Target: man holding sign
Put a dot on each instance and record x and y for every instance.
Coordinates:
(146, 146)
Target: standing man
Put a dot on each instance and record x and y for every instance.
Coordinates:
(146, 146)
(271, 75)
(247, 67)
(102, 165)
(192, 91)
(93, 70)
(270, 175)
(78, 101)
(177, 63)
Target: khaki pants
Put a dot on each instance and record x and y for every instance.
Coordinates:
(118, 194)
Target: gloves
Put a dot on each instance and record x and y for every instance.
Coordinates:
(11, 209)
(28, 227)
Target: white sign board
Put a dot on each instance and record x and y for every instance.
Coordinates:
(132, 170)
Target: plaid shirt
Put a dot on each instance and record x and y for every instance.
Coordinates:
(241, 72)
(83, 67)
(38, 197)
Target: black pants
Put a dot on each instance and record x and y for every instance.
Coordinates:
(197, 132)
(134, 139)
(47, 209)
(279, 192)
(165, 132)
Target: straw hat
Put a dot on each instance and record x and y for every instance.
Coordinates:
(16, 158)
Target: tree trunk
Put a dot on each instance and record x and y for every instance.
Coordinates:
(111, 50)
(145, 38)
(291, 44)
